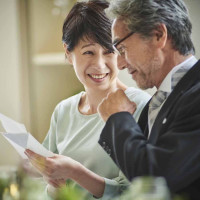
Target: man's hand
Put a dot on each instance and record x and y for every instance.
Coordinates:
(115, 102)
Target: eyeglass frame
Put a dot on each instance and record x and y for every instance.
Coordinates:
(121, 40)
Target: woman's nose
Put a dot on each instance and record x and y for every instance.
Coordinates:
(121, 62)
(100, 62)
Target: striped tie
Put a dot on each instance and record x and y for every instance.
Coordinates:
(160, 96)
(156, 101)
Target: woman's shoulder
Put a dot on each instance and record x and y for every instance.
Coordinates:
(66, 109)
(136, 94)
(70, 102)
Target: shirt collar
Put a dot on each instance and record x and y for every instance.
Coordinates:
(166, 83)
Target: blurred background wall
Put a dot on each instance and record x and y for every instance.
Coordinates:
(34, 75)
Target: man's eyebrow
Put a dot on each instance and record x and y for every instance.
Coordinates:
(87, 45)
(116, 41)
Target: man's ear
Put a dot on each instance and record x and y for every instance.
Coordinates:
(161, 35)
(67, 53)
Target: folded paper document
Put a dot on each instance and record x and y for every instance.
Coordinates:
(20, 139)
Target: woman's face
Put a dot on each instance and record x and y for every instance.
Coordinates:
(95, 67)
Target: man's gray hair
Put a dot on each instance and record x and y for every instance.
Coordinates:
(144, 16)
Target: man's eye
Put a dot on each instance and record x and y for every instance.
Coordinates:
(88, 52)
(109, 51)
(121, 51)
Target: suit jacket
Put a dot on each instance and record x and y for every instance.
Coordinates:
(173, 148)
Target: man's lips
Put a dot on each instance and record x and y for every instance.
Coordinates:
(132, 71)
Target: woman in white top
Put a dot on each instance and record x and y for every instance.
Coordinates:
(75, 124)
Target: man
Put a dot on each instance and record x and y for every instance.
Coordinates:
(153, 38)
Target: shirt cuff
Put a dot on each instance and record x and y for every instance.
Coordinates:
(111, 190)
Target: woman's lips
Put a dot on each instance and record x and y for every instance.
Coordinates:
(98, 77)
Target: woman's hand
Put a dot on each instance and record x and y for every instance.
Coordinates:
(29, 169)
(56, 167)
(56, 183)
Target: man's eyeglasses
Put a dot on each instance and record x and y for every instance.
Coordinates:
(121, 50)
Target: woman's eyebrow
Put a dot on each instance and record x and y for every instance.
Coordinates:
(90, 44)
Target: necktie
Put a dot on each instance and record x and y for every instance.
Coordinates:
(156, 101)
(160, 96)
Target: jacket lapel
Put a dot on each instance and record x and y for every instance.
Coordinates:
(143, 119)
(183, 85)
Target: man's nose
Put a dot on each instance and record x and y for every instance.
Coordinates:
(121, 62)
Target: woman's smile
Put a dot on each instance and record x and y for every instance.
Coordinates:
(98, 77)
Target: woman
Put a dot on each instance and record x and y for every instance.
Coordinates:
(75, 124)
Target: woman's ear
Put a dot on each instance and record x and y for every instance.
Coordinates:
(67, 53)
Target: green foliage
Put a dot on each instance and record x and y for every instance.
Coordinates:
(149, 188)
(4, 183)
(6, 177)
(15, 185)
(18, 186)
(70, 193)
(31, 189)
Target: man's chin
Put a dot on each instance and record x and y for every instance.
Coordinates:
(142, 86)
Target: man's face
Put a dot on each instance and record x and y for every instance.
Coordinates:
(140, 56)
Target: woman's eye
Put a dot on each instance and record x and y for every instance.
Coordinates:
(88, 52)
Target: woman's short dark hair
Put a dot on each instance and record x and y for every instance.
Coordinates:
(87, 20)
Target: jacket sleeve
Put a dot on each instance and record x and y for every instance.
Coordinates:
(122, 137)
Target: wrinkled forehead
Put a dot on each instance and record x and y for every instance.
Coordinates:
(119, 29)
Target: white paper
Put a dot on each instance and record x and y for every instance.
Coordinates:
(11, 138)
(12, 126)
(16, 134)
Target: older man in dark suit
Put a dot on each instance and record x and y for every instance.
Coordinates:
(153, 39)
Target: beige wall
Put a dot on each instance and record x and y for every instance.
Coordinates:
(11, 99)
(50, 81)
(29, 91)
(194, 7)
